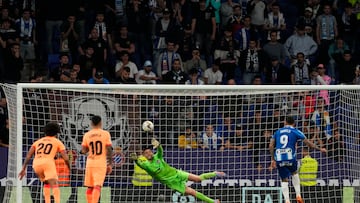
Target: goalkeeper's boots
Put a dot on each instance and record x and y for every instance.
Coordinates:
(299, 199)
(220, 174)
(216, 201)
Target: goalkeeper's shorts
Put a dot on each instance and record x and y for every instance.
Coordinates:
(178, 182)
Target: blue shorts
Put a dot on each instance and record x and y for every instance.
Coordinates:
(286, 168)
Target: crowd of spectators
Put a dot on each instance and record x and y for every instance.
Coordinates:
(167, 42)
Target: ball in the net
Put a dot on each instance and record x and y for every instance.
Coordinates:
(148, 126)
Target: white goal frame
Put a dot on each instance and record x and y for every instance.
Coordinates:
(169, 88)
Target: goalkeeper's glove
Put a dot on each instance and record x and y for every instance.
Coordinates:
(133, 156)
(155, 143)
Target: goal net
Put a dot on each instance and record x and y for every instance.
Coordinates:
(201, 128)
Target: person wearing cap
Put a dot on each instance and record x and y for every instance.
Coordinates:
(308, 20)
(125, 62)
(146, 76)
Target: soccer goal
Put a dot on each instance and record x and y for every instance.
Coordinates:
(201, 128)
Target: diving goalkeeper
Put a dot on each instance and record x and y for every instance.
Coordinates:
(155, 165)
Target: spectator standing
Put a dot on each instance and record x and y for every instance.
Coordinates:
(13, 64)
(226, 12)
(166, 58)
(275, 21)
(335, 53)
(300, 42)
(277, 73)
(195, 62)
(235, 21)
(70, 33)
(275, 49)
(326, 32)
(247, 32)
(347, 68)
(204, 29)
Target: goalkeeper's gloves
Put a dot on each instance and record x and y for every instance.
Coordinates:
(133, 156)
(155, 143)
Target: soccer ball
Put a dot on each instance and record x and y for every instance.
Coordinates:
(148, 126)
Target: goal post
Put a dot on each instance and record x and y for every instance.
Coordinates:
(202, 128)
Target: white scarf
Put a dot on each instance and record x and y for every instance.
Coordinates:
(26, 31)
(103, 29)
(252, 58)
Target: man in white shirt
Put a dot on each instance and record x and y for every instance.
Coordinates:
(213, 76)
(146, 76)
(125, 62)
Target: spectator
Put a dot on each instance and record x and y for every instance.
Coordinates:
(138, 13)
(275, 49)
(4, 134)
(225, 49)
(166, 58)
(5, 16)
(74, 76)
(8, 35)
(277, 73)
(245, 34)
(300, 71)
(226, 127)
(348, 25)
(98, 79)
(336, 146)
(175, 75)
(204, 29)
(252, 62)
(215, 5)
(195, 62)
(125, 62)
(357, 76)
(70, 30)
(13, 64)
(326, 32)
(308, 21)
(323, 79)
(275, 120)
(227, 12)
(314, 134)
(347, 68)
(187, 44)
(65, 77)
(87, 64)
(236, 19)
(194, 78)
(239, 141)
(257, 9)
(103, 29)
(275, 21)
(26, 28)
(146, 76)
(99, 46)
(213, 76)
(123, 41)
(321, 118)
(335, 52)
(211, 140)
(188, 140)
(300, 42)
(64, 65)
(124, 77)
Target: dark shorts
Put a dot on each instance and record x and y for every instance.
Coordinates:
(286, 168)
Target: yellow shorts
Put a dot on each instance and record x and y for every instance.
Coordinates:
(46, 171)
(94, 176)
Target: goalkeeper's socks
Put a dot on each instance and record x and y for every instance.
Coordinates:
(89, 195)
(56, 193)
(47, 193)
(204, 198)
(96, 194)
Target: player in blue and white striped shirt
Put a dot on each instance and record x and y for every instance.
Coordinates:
(283, 156)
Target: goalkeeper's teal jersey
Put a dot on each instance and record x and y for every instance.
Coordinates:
(157, 167)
